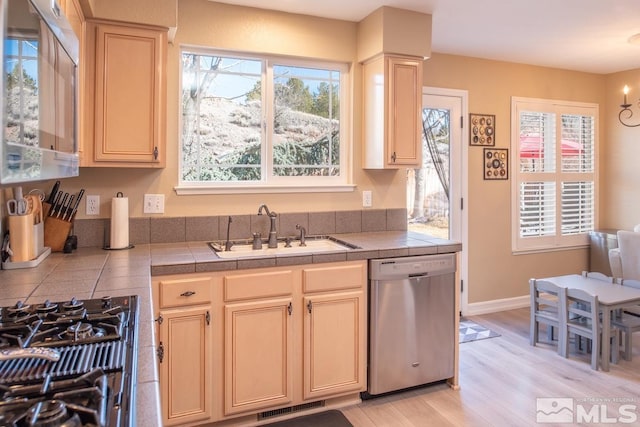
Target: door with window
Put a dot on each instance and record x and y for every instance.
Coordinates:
(435, 191)
(432, 189)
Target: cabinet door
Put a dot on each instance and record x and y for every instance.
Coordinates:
(404, 112)
(130, 105)
(184, 352)
(258, 341)
(334, 344)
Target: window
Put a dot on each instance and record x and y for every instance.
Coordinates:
(259, 122)
(553, 156)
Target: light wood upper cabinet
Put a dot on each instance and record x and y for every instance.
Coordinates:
(125, 102)
(392, 112)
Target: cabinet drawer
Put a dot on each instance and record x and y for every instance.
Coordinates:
(258, 285)
(181, 292)
(334, 278)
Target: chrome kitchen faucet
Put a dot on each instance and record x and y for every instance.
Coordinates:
(273, 237)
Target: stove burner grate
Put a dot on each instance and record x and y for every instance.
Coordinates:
(74, 360)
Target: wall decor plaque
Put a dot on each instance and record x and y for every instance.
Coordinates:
(496, 163)
(482, 129)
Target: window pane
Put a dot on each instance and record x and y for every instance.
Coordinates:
(221, 118)
(577, 207)
(306, 128)
(22, 91)
(578, 135)
(537, 142)
(537, 209)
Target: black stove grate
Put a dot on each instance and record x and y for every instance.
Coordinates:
(74, 360)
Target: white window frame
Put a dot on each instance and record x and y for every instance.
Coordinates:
(277, 184)
(556, 241)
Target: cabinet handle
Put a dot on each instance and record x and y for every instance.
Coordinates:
(160, 352)
(155, 153)
(187, 294)
(290, 309)
(207, 317)
(309, 305)
(393, 157)
(159, 319)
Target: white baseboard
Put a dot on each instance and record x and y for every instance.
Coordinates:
(493, 306)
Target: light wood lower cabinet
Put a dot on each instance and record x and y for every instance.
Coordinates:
(334, 332)
(335, 329)
(282, 336)
(258, 343)
(183, 348)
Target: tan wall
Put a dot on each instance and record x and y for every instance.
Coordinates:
(494, 272)
(620, 154)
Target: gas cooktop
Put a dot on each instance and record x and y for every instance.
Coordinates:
(69, 363)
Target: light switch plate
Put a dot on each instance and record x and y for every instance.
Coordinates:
(153, 203)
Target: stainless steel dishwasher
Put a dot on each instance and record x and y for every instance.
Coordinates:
(411, 321)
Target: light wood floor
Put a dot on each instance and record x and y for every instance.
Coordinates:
(500, 379)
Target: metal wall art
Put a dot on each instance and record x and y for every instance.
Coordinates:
(496, 163)
(482, 129)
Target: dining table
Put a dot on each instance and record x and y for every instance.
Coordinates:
(611, 297)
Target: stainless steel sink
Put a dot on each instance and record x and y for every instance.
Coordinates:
(244, 249)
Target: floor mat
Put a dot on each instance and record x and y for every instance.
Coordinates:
(332, 418)
(471, 331)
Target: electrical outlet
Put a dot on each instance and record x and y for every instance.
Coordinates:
(93, 205)
(367, 199)
(153, 203)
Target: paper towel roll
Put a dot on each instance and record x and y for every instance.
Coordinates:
(119, 222)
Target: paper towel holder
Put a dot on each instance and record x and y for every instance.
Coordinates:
(119, 194)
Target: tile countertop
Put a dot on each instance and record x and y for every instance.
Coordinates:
(197, 257)
(94, 272)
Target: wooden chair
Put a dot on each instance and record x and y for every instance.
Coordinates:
(546, 309)
(598, 276)
(581, 318)
(628, 321)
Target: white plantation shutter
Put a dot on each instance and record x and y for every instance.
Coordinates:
(537, 209)
(577, 207)
(553, 188)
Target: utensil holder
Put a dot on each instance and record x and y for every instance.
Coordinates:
(56, 230)
(21, 238)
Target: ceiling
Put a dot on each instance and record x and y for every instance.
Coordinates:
(582, 35)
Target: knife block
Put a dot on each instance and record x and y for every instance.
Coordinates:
(56, 230)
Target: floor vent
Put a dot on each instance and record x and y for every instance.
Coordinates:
(290, 410)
